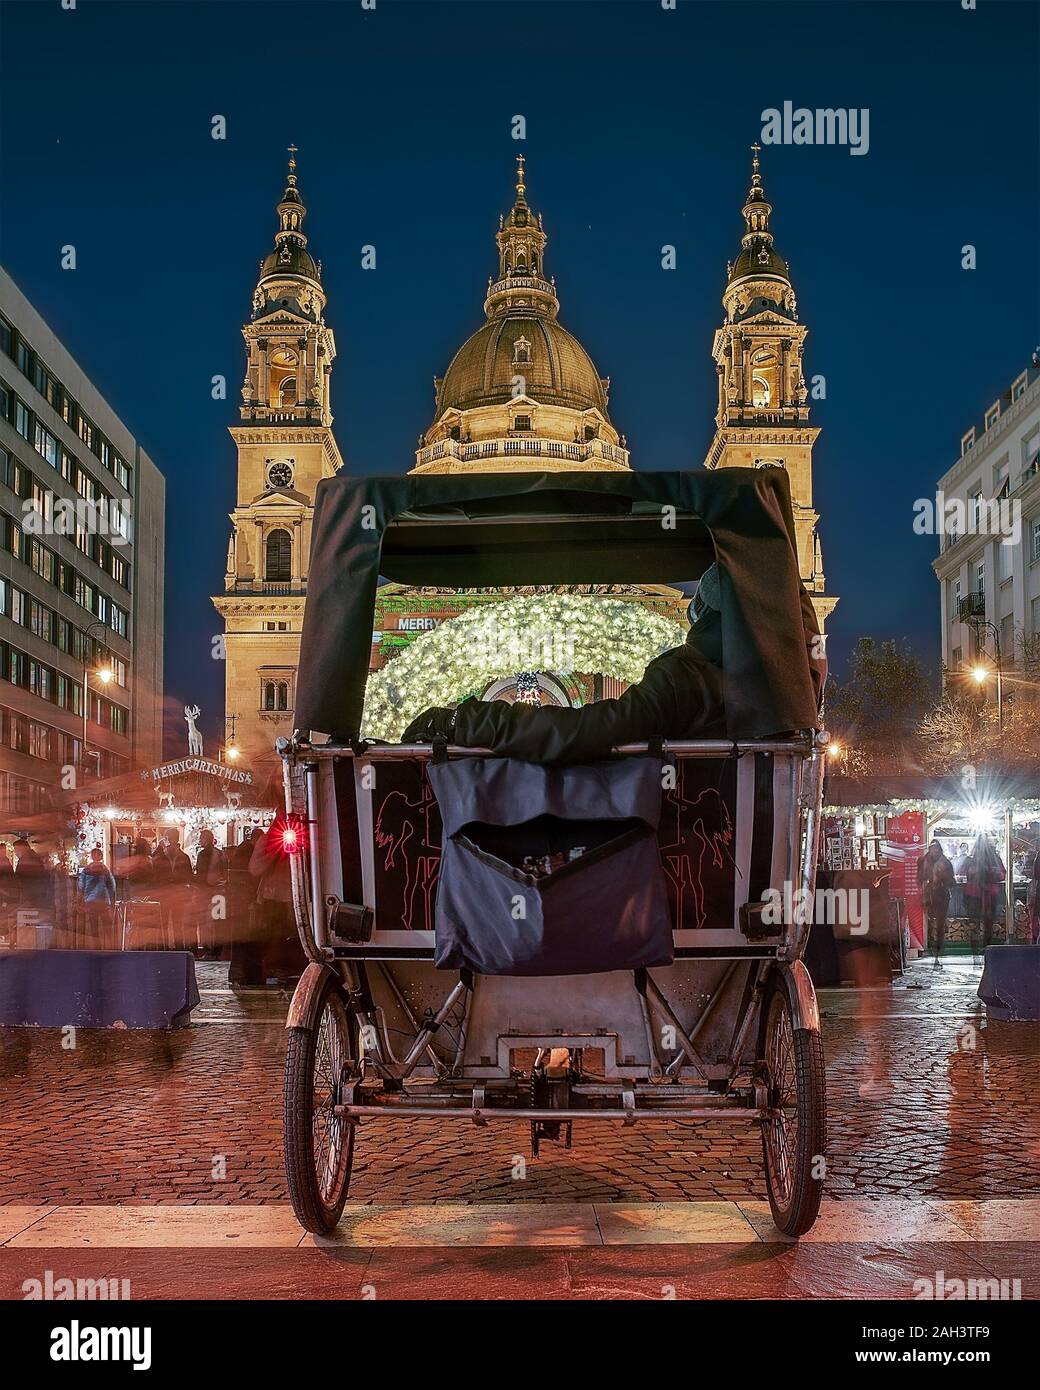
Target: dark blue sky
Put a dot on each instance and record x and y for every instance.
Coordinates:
(638, 123)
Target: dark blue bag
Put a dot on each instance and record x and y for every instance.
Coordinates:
(602, 905)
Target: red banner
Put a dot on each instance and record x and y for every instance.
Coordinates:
(904, 847)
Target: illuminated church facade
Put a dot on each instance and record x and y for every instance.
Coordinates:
(521, 394)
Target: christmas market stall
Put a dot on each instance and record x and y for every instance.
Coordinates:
(150, 815)
(889, 822)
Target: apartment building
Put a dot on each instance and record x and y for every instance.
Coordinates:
(81, 575)
(989, 562)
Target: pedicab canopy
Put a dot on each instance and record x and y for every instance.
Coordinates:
(499, 530)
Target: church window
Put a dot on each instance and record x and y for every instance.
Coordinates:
(282, 378)
(276, 695)
(591, 431)
(278, 567)
(521, 350)
(759, 391)
(521, 422)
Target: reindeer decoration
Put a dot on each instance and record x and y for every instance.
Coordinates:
(191, 713)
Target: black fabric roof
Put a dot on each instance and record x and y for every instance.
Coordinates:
(504, 529)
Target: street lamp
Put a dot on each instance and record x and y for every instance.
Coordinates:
(980, 672)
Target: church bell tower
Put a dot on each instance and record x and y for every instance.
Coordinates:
(763, 411)
(285, 446)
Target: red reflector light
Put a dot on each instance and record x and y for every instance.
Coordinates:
(290, 839)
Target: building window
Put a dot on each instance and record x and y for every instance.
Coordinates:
(281, 368)
(1003, 562)
(980, 579)
(521, 422)
(1034, 549)
(278, 566)
(39, 740)
(1019, 387)
(521, 350)
(276, 695)
(967, 441)
(992, 416)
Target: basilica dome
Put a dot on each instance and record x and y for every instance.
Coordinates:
(521, 393)
(555, 367)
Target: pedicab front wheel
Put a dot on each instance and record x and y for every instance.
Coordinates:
(794, 1136)
(320, 1063)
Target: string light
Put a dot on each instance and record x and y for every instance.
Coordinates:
(604, 636)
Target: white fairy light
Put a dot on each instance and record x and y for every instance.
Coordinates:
(599, 636)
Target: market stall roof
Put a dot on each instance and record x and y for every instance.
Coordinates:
(505, 529)
(991, 789)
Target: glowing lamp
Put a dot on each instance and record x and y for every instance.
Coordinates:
(105, 675)
(834, 749)
(979, 675)
(290, 839)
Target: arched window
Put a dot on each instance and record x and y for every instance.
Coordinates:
(281, 371)
(268, 694)
(759, 391)
(283, 695)
(278, 565)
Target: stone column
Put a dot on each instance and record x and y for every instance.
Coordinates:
(297, 553)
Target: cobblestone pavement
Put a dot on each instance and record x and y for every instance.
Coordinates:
(194, 1117)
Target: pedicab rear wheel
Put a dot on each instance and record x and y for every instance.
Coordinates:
(794, 1136)
(321, 1061)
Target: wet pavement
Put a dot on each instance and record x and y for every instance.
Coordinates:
(130, 1150)
(949, 1111)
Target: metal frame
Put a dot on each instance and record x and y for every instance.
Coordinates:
(677, 1082)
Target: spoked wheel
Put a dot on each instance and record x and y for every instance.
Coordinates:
(320, 1065)
(794, 1138)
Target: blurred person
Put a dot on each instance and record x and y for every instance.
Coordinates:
(139, 872)
(1033, 898)
(210, 873)
(97, 892)
(8, 891)
(935, 877)
(33, 882)
(281, 953)
(173, 878)
(244, 971)
(960, 862)
(984, 881)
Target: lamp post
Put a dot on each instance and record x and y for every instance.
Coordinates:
(980, 672)
(104, 675)
(231, 750)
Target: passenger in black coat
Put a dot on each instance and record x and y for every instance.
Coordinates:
(680, 696)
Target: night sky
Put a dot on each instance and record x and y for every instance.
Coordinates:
(638, 123)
